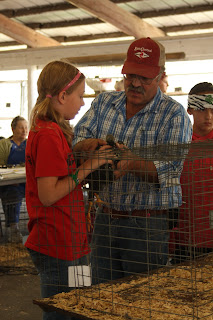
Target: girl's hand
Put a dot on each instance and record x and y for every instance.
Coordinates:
(105, 154)
(83, 149)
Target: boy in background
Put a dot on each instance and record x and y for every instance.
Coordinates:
(194, 235)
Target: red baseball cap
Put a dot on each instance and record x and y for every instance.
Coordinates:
(145, 57)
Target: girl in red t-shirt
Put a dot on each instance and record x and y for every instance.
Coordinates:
(57, 226)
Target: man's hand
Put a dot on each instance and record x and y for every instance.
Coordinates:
(131, 163)
(89, 145)
(125, 165)
(84, 147)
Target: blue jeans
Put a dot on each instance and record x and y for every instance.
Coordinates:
(11, 197)
(54, 278)
(126, 246)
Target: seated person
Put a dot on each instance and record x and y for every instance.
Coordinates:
(12, 152)
(194, 235)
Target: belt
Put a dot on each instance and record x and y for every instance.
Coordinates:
(116, 214)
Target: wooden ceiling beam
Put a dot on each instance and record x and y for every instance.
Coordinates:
(9, 43)
(116, 34)
(117, 58)
(74, 38)
(24, 35)
(85, 22)
(61, 24)
(89, 21)
(112, 35)
(189, 27)
(89, 37)
(36, 10)
(68, 6)
(46, 8)
(123, 20)
(172, 12)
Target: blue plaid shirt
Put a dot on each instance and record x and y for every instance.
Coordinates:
(161, 122)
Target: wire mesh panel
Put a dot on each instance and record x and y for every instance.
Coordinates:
(151, 255)
(178, 293)
(194, 235)
(14, 256)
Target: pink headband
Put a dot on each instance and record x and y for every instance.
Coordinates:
(72, 81)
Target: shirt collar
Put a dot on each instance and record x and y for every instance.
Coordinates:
(152, 106)
(120, 102)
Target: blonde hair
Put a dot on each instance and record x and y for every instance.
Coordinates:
(53, 78)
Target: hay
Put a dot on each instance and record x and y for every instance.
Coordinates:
(182, 292)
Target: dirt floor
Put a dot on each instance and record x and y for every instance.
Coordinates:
(18, 287)
(16, 294)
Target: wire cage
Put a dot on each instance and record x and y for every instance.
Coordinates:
(151, 240)
(14, 256)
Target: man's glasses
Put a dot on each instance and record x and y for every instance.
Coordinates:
(143, 80)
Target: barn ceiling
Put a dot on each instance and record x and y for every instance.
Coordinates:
(44, 23)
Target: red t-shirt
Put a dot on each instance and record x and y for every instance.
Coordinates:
(196, 213)
(59, 230)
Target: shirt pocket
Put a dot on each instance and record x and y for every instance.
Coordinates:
(145, 138)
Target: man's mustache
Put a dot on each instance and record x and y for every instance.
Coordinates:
(136, 89)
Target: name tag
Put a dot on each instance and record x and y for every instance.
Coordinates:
(79, 276)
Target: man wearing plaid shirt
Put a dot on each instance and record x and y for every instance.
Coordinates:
(131, 227)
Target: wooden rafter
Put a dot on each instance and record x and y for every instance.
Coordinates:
(64, 23)
(67, 6)
(24, 35)
(112, 35)
(188, 27)
(119, 58)
(37, 40)
(89, 21)
(46, 8)
(121, 19)
(93, 20)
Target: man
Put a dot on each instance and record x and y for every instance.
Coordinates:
(195, 234)
(131, 228)
(163, 84)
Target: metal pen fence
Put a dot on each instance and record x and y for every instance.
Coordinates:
(14, 257)
(151, 256)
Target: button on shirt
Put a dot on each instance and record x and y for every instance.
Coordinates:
(161, 122)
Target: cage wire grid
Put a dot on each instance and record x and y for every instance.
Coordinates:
(14, 256)
(181, 288)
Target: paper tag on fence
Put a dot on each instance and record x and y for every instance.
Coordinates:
(79, 276)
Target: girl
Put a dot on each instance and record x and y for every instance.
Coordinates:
(57, 227)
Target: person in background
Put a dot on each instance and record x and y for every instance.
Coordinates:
(194, 234)
(163, 83)
(131, 228)
(12, 152)
(119, 85)
(57, 226)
